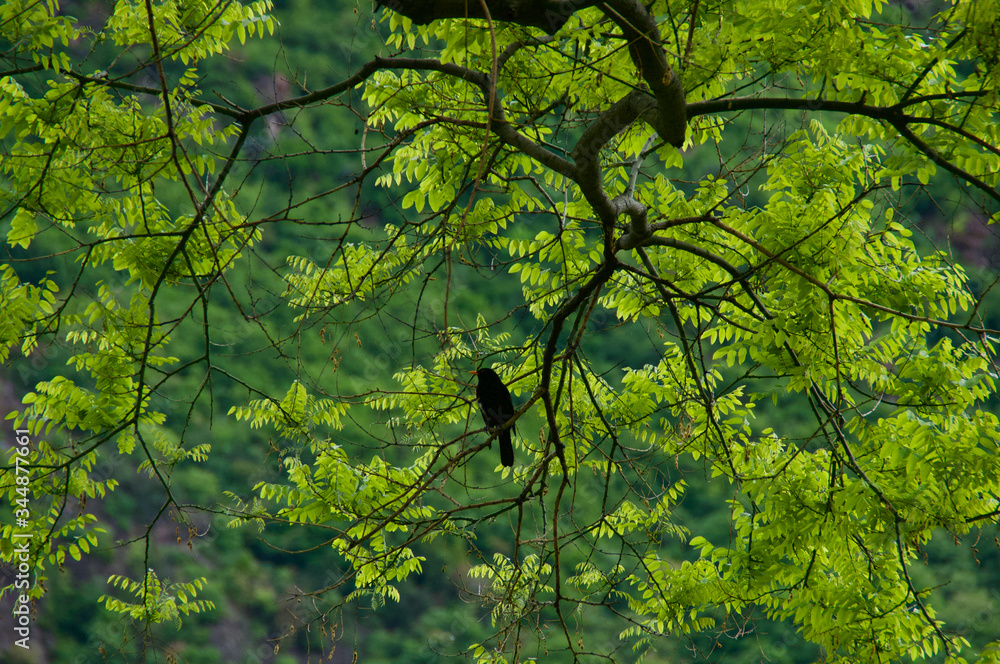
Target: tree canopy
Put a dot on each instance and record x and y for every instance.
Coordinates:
(690, 235)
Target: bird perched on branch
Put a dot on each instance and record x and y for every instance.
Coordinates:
(496, 405)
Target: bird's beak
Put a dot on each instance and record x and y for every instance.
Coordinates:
(474, 373)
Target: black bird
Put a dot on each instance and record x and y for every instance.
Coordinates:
(497, 407)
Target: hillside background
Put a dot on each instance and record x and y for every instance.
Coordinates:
(258, 578)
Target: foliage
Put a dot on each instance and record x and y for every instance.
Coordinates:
(158, 602)
(788, 267)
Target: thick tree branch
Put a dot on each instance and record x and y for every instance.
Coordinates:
(637, 24)
(549, 15)
(892, 115)
(643, 34)
(612, 121)
(936, 157)
(790, 103)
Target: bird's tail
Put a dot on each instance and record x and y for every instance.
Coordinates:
(506, 449)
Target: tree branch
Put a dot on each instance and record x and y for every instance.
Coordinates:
(643, 34)
(637, 24)
(893, 115)
(549, 15)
